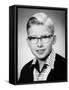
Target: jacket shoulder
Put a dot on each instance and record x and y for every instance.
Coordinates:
(60, 58)
(60, 68)
(27, 66)
(60, 62)
(26, 73)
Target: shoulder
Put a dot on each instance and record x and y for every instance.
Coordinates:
(60, 59)
(25, 72)
(60, 68)
(27, 66)
(60, 62)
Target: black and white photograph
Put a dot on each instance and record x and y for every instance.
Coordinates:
(39, 45)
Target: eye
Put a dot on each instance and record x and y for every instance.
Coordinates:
(31, 38)
(49, 36)
(44, 36)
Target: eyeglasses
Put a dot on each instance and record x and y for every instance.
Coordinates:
(44, 39)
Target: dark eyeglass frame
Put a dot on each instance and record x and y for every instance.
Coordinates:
(45, 36)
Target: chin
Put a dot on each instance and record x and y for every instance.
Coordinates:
(42, 57)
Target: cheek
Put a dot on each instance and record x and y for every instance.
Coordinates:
(48, 45)
(32, 47)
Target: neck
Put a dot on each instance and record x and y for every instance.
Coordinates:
(42, 61)
(41, 64)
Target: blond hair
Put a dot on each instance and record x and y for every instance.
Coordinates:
(41, 19)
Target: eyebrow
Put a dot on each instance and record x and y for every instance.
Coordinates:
(44, 36)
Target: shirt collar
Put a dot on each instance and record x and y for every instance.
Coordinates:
(50, 60)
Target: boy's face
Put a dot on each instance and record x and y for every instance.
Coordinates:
(39, 43)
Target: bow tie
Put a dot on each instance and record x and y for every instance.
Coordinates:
(36, 65)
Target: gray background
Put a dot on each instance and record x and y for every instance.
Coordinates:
(24, 53)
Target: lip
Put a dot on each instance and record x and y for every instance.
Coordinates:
(40, 51)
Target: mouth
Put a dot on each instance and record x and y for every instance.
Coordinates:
(40, 51)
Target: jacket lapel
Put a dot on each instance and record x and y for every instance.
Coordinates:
(51, 76)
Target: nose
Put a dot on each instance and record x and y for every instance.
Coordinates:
(39, 43)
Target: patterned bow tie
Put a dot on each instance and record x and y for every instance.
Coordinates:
(36, 65)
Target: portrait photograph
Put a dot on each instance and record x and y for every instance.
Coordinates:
(39, 50)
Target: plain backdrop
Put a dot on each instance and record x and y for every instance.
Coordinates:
(4, 45)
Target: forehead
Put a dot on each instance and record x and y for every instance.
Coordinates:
(39, 30)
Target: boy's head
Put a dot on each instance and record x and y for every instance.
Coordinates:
(40, 30)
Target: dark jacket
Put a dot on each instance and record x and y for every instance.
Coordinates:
(58, 74)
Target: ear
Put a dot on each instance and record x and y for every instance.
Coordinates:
(27, 41)
(54, 39)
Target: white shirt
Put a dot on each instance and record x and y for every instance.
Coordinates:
(44, 74)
